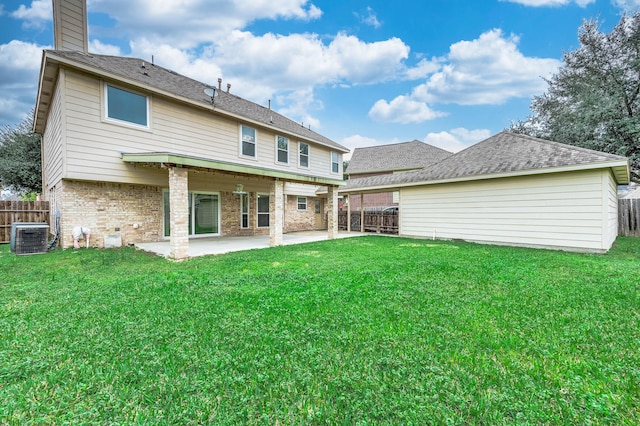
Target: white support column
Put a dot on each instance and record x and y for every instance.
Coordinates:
(332, 207)
(276, 205)
(179, 216)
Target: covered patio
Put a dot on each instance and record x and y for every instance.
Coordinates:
(221, 245)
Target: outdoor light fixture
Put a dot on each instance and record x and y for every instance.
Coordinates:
(239, 190)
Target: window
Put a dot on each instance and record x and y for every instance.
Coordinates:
(244, 211)
(335, 162)
(282, 149)
(204, 213)
(303, 154)
(129, 107)
(263, 210)
(248, 141)
(302, 203)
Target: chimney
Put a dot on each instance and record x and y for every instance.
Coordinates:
(70, 25)
(219, 84)
(228, 87)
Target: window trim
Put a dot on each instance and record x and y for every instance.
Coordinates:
(258, 212)
(336, 162)
(306, 203)
(277, 138)
(113, 120)
(241, 142)
(300, 155)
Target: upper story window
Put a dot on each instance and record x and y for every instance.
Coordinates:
(126, 106)
(303, 154)
(282, 149)
(335, 162)
(248, 141)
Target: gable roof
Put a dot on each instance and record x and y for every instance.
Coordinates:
(504, 154)
(156, 79)
(395, 157)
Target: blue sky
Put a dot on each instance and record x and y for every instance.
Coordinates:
(448, 72)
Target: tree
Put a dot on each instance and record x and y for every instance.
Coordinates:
(20, 167)
(594, 99)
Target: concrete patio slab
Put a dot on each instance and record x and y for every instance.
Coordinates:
(220, 245)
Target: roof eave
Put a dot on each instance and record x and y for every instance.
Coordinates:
(619, 168)
(41, 109)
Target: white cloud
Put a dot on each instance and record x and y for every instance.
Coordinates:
(423, 69)
(370, 18)
(298, 103)
(628, 6)
(35, 15)
(403, 110)
(547, 3)
(164, 22)
(96, 46)
(457, 139)
(489, 70)
(19, 68)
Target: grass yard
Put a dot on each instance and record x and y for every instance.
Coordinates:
(364, 330)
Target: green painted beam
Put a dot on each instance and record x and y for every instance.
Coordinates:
(184, 160)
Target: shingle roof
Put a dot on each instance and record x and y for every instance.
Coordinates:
(502, 153)
(159, 78)
(394, 157)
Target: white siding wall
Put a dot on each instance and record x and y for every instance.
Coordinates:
(611, 202)
(94, 145)
(560, 210)
(52, 143)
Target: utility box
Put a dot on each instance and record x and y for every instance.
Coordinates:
(29, 238)
(113, 241)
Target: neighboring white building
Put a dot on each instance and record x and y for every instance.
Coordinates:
(514, 190)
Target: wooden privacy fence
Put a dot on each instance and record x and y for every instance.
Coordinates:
(629, 217)
(21, 211)
(379, 222)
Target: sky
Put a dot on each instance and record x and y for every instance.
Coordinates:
(447, 72)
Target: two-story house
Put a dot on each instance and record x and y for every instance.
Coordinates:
(134, 149)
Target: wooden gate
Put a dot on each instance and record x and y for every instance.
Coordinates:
(21, 211)
(629, 217)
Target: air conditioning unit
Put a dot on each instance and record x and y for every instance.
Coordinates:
(29, 238)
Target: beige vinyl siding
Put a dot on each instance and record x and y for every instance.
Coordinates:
(300, 189)
(52, 143)
(70, 25)
(558, 210)
(94, 145)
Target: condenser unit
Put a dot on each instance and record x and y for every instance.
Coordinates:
(29, 238)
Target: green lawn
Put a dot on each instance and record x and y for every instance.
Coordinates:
(364, 330)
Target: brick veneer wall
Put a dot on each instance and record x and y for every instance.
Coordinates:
(105, 207)
(299, 220)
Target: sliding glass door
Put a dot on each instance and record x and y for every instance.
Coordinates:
(204, 214)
